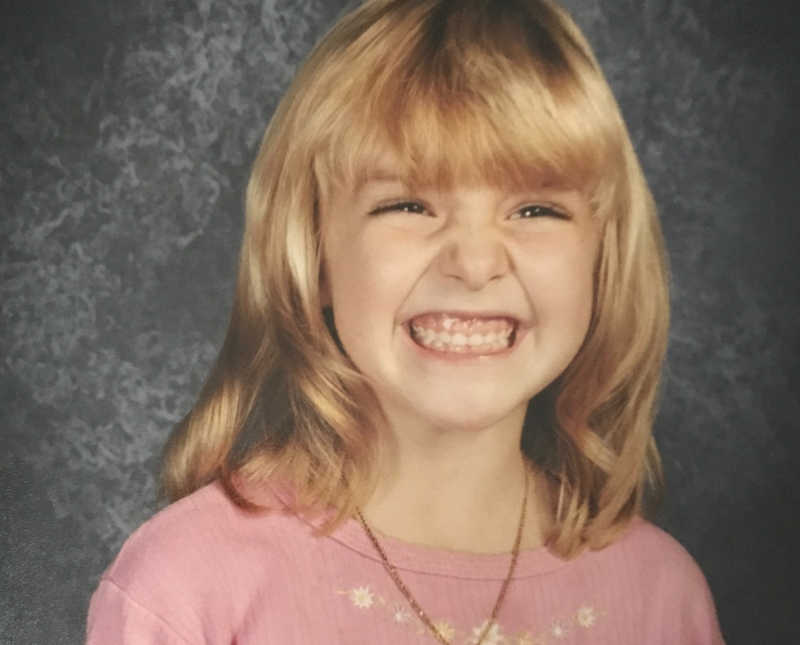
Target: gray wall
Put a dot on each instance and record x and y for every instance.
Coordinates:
(126, 133)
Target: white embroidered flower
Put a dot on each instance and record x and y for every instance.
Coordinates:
(445, 629)
(587, 616)
(401, 614)
(559, 630)
(362, 597)
(493, 635)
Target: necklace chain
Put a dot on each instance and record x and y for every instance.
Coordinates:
(395, 576)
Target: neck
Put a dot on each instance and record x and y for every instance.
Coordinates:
(460, 490)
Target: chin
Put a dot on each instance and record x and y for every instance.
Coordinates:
(474, 417)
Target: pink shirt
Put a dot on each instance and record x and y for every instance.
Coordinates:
(204, 572)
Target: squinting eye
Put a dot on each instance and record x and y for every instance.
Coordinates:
(538, 210)
(401, 207)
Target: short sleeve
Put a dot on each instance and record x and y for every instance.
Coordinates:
(115, 617)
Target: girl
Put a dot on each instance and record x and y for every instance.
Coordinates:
(431, 417)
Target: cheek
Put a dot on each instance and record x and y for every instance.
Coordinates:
(358, 280)
(560, 283)
(580, 288)
(364, 294)
(374, 262)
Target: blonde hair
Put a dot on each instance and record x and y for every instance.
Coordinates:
(505, 92)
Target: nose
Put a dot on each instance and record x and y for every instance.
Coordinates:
(475, 256)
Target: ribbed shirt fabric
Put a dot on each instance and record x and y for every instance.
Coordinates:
(204, 572)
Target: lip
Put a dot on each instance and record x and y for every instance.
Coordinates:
(466, 314)
(517, 334)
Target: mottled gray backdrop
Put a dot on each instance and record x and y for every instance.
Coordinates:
(126, 132)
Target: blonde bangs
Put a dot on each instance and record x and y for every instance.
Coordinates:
(464, 97)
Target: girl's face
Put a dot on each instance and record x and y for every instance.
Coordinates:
(458, 305)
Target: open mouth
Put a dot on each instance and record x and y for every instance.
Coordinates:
(449, 333)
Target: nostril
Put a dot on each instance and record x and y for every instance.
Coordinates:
(475, 260)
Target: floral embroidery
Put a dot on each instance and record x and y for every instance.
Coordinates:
(446, 630)
(493, 635)
(558, 631)
(586, 617)
(362, 597)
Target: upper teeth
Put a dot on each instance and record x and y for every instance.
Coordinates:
(462, 333)
(473, 340)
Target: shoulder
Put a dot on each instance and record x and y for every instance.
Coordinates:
(173, 537)
(663, 584)
(199, 535)
(653, 542)
(659, 557)
(195, 565)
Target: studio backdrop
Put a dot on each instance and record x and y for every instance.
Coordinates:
(127, 129)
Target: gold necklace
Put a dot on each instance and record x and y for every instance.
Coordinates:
(392, 571)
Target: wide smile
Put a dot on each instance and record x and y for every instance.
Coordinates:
(463, 335)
